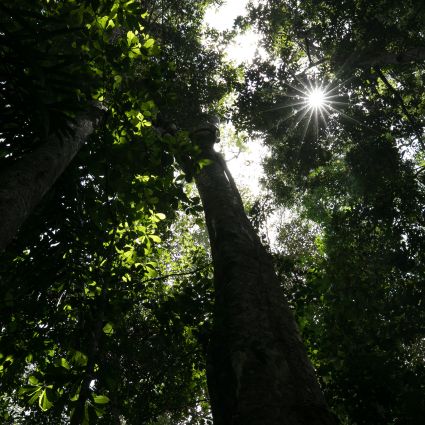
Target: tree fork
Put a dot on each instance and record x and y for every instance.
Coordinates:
(257, 367)
(24, 182)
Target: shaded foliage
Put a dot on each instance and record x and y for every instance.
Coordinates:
(357, 173)
(99, 321)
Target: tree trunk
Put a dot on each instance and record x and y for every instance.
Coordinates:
(25, 181)
(258, 371)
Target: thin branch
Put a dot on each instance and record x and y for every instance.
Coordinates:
(154, 279)
(419, 171)
(413, 55)
(409, 116)
(307, 47)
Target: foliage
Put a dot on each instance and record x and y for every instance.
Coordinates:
(357, 175)
(106, 294)
(58, 56)
(101, 322)
(92, 323)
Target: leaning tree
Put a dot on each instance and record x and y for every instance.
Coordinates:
(70, 313)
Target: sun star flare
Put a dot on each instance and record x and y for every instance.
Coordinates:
(316, 98)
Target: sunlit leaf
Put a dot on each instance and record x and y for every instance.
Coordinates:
(43, 401)
(108, 329)
(101, 399)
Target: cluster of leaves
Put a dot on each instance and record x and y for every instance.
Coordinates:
(58, 56)
(355, 271)
(92, 327)
(192, 74)
(100, 321)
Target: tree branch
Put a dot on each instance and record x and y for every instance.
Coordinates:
(416, 54)
(397, 95)
(155, 279)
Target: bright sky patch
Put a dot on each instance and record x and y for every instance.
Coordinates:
(316, 98)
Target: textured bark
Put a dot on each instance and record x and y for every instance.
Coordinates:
(25, 181)
(258, 371)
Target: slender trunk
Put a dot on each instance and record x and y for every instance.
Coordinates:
(258, 371)
(24, 182)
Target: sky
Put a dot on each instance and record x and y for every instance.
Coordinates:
(222, 18)
(245, 167)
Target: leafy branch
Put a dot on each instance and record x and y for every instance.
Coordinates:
(164, 277)
(413, 122)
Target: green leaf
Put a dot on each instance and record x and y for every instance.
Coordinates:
(204, 162)
(64, 363)
(155, 238)
(149, 43)
(134, 53)
(131, 38)
(80, 358)
(100, 399)
(35, 396)
(76, 395)
(28, 389)
(108, 329)
(103, 21)
(44, 402)
(33, 380)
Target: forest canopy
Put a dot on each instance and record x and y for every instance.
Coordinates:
(111, 301)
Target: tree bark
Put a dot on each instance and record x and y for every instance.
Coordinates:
(258, 371)
(25, 181)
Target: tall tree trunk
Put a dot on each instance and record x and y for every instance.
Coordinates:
(258, 371)
(25, 181)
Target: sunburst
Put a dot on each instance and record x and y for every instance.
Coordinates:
(316, 98)
(312, 102)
